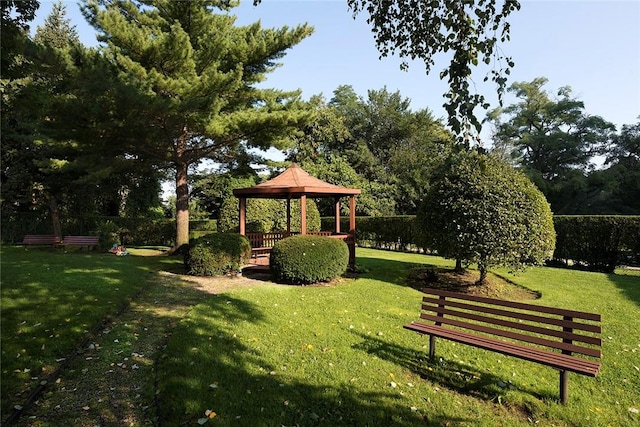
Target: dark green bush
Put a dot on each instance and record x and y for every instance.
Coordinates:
(217, 254)
(597, 243)
(305, 259)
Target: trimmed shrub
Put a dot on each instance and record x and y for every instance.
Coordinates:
(305, 259)
(597, 243)
(217, 254)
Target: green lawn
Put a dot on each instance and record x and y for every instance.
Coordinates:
(49, 303)
(327, 355)
(337, 355)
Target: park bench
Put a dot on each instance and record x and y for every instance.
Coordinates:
(41, 240)
(88, 241)
(566, 340)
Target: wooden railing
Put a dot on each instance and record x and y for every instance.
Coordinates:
(267, 240)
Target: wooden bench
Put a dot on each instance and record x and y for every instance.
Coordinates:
(88, 241)
(566, 340)
(41, 240)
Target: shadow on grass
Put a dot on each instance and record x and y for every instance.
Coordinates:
(50, 302)
(628, 284)
(229, 375)
(390, 271)
(453, 375)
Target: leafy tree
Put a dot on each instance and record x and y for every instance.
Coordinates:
(192, 77)
(14, 27)
(377, 144)
(481, 210)
(553, 140)
(616, 189)
(467, 30)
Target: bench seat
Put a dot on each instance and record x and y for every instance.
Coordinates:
(545, 357)
(563, 339)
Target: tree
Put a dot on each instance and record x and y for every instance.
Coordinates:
(57, 30)
(192, 77)
(553, 140)
(469, 30)
(375, 143)
(481, 210)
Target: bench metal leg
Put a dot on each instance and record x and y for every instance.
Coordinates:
(564, 387)
(432, 346)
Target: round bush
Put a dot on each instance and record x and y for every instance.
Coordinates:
(305, 259)
(216, 254)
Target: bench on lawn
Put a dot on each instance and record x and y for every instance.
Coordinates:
(566, 340)
(41, 239)
(87, 241)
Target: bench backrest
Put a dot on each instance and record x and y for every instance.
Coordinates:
(81, 240)
(568, 331)
(40, 239)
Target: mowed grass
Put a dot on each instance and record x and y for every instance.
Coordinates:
(324, 355)
(50, 301)
(338, 355)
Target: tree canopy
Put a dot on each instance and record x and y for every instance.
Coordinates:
(479, 209)
(469, 31)
(554, 140)
(191, 77)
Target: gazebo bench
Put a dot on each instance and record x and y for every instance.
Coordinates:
(545, 335)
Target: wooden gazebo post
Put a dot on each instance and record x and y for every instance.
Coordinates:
(296, 183)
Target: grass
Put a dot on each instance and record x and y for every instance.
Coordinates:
(321, 355)
(50, 303)
(337, 355)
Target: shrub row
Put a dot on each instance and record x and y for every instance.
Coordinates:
(126, 231)
(392, 233)
(597, 243)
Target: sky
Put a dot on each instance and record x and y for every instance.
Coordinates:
(591, 46)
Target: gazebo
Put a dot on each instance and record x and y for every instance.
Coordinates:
(295, 183)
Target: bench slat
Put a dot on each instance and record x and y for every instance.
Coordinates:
(513, 304)
(548, 358)
(556, 333)
(40, 239)
(81, 240)
(594, 352)
(588, 327)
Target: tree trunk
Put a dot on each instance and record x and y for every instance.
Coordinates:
(182, 206)
(483, 273)
(55, 217)
(459, 268)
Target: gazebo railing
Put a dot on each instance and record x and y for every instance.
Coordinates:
(262, 243)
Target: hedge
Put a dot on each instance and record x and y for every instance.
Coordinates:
(597, 243)
(126, 231)
(594, 242)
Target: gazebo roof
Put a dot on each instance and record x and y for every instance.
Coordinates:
(293, 183)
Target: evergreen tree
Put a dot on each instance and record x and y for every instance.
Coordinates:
(57, 30)
(192, 80)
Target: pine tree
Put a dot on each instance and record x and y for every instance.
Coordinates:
(57, 31)
(192, 79)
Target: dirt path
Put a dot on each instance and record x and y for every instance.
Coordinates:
(112, 381)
